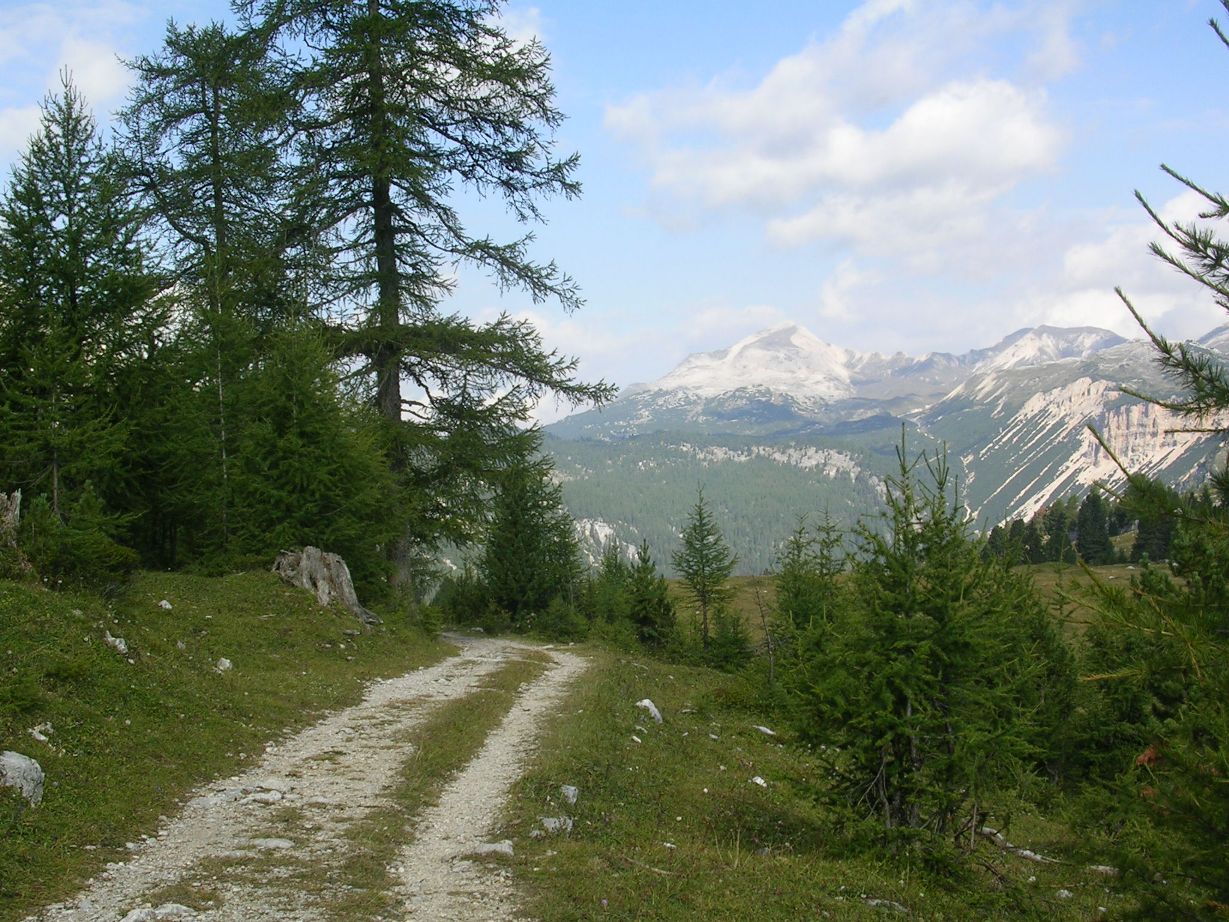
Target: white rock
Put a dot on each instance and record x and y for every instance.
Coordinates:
(264, 797)
(637, 739)
(42, 732)
(555, 824)
(765, 730)
(180, 645)
(647, 705)
(164, 913)
(494, 848)
(1064, 894)
(223, 665)
(760, 781)
(272, 844)
(569, 793)
(118, 644)
(23, 773)
(165, 604)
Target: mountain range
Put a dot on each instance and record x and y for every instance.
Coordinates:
(782, 424)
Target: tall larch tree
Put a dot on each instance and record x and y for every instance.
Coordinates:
(402, 105)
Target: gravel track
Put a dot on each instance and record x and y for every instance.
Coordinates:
(233, 839)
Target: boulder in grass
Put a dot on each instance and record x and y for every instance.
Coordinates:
(23, 774)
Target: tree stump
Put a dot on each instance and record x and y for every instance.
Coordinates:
(10, 518)
(324, 574)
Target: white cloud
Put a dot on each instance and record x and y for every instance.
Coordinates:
(96, 70)
(1091, 269)
(890, 125)
(38, 41)
(523, 24)
(17, 124)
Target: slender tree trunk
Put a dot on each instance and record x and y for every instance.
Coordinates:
(387, 358)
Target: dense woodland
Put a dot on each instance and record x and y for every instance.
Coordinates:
(225, 332)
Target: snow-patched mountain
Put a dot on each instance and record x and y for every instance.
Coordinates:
(787, 359)
(788, 379)
(783, 423)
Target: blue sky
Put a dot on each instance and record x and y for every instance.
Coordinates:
(893, 174)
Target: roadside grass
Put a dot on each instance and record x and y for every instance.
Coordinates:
(132, 734)
(675, 827)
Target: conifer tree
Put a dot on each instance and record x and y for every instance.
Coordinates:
(399, 105)
(200, 137)
(1092, 541)
(530, 555)
(649, 600)
(928, 685)
(1167, 651)
(78, 309)
(705, 563)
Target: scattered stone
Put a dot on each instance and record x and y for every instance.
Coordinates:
(164, 604)
(556, 824)
(264, 797)
(42, 732)
(760, 781)
(636, 739)
(569, 793)
(1104, 870)
(269, 845)
(647, 705)
(223, 665)
(118, 644)
(713, 736)
(765, 730)
(998, 839)
(164, 913)
(23, 773)
(670, 845)
(494, 848)
(180, 645)
(1064, 894)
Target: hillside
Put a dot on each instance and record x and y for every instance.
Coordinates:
(128, 735)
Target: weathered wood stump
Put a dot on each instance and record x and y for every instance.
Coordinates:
(10, 518)
(324, 574)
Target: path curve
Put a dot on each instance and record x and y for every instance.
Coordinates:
(334, 773)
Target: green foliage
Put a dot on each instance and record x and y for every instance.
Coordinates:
(1092, 541)
(649, 602)
(705, 563)
(1163, 652)
(930, 683)
(309, 468)
(76, 548)
(530, 555)
(77, 309)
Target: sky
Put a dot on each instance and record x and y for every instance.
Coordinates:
(892, 174)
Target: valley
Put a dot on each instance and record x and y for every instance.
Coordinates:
(783, 424)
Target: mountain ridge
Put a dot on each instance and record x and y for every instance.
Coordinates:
(783, 423)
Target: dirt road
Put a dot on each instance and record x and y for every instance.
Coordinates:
(248, 847)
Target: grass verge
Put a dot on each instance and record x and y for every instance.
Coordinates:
(675, 826)
(131, 733)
